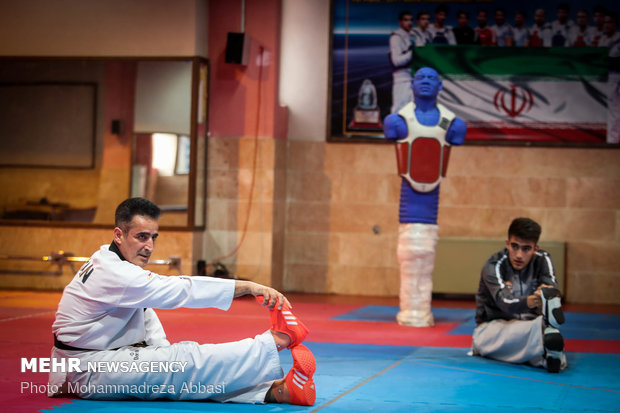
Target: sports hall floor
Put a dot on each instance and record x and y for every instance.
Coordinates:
(366, 362)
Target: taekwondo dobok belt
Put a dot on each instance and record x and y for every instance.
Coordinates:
(60, 345)
(422, 157)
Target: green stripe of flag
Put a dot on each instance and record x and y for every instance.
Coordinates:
(537, 62)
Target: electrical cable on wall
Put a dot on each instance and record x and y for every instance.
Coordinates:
(215, 261)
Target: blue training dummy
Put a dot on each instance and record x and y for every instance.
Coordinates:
(423, 131)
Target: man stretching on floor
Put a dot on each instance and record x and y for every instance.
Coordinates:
(518, 308)
(106, 315)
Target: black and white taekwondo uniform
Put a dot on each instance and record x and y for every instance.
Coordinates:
(106, 315)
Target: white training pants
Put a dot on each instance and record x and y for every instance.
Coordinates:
(241, 372)
(416, 256)
(512, 341)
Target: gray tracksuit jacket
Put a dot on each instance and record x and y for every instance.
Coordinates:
(502, 292)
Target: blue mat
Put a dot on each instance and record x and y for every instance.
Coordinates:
(358, 378)
(388, 313)
(585, 326)
(445, 380)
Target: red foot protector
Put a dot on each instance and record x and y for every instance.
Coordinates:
(299, 380)
(284, 321)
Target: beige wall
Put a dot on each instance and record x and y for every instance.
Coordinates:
(103, 28)
(338, 192)
(304, 67)
(257, 255)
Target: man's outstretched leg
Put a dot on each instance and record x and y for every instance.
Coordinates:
(552, 306)
(298, 385)
(553, 317)
(554, 349)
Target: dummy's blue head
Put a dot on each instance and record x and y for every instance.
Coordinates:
(426, 83)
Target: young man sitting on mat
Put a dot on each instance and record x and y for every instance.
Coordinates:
(518, 303)
(105, 317)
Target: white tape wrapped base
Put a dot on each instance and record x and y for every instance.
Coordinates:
(416, 256)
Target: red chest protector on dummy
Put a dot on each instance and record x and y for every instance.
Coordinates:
(422, 157)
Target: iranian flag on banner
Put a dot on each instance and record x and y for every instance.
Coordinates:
(535, 94)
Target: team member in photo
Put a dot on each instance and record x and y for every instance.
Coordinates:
(611, 36)
(518, 304)
(401, 45)
(440, 32)
(598, 17)
(582, 34)
(502, 30)
(462, 32)
(520, 32)
(486, 36)
(540, 31)
(421, 34)
(105, 315)
(562, 27)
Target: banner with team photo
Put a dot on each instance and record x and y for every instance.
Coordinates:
(555, 95)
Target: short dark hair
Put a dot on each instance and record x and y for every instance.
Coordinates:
(422, 13)
(131, 207)
(599, 9)
(524, 228)
(404, 13)
(563, 6)
(613, 15)
(466, 13)
(441, 8)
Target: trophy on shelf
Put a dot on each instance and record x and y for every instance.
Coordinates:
(366, 114)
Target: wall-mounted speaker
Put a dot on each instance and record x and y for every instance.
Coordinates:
(237, 48)
(117, 127)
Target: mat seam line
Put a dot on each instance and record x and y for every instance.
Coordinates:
(358, 385)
